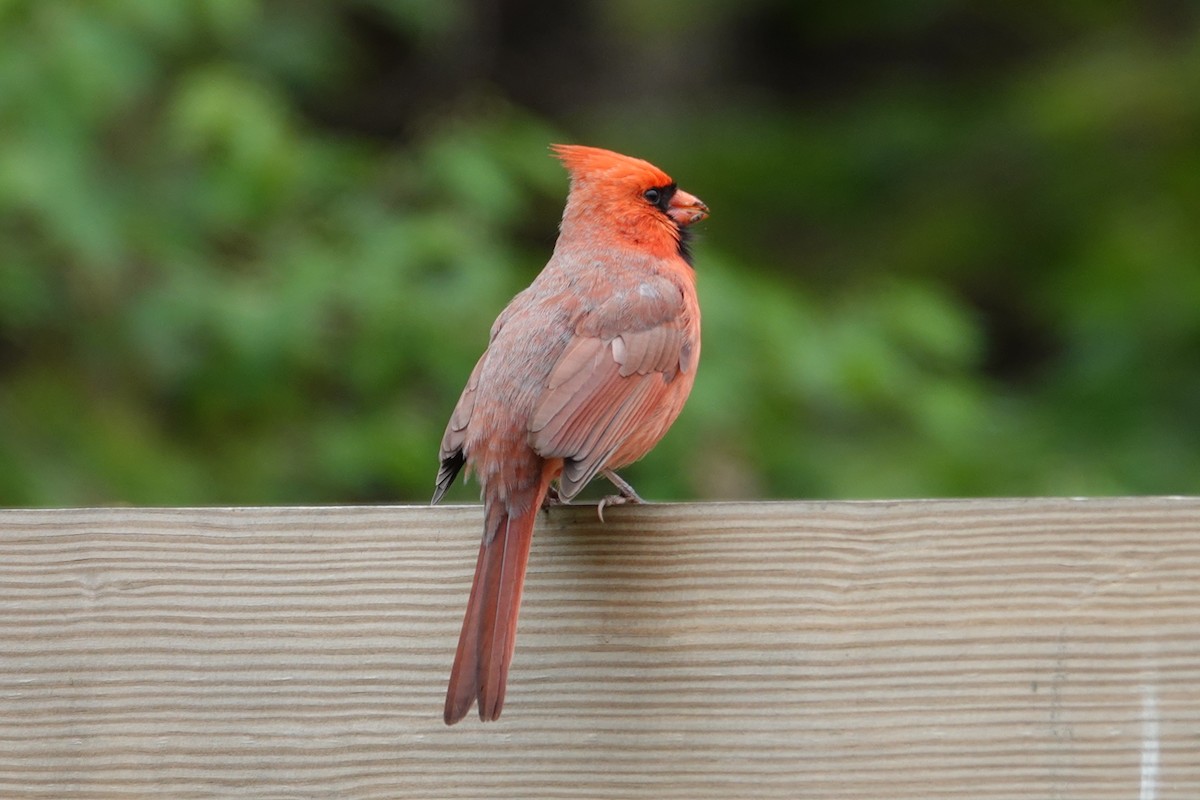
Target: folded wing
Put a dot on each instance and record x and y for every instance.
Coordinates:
(607, 393)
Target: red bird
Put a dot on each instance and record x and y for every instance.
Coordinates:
(584, 372)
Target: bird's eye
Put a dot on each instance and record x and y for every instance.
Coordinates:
(652, 196)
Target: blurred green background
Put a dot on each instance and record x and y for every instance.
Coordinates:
(250, 250)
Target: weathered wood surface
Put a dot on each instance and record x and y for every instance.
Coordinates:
(926, 649)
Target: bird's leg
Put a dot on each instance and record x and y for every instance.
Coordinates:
(627, 494)
(551, 499)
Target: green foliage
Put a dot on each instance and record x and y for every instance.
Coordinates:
(247, 255)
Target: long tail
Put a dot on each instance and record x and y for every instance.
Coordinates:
(489, 631)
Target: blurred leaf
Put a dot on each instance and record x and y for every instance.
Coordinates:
(250, 251)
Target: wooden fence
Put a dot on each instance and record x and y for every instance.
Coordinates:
(1042, 648)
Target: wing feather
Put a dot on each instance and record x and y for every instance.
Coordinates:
(602, 389)
(604, 443)
(655, 350)
(572, 373)
(451, 456)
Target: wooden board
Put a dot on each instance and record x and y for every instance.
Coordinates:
(1045, 648)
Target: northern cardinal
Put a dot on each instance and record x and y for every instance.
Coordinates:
(584, 372)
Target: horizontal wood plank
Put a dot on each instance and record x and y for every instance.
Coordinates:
(1043, 648)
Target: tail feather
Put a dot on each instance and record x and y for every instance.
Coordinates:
(488, 638)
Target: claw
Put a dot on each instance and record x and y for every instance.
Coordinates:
(615, 500)
(627, 495)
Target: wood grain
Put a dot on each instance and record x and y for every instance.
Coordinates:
(1044, 648)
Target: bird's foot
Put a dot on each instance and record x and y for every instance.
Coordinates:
(627, 495)
(551, 499)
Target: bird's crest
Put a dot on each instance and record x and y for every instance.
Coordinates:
(588, 164)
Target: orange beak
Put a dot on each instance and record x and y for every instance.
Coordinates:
(686, 208)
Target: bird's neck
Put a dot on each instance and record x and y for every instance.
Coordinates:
(591, 229)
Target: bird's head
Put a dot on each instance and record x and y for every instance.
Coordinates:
(627, 199)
